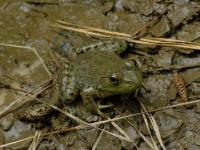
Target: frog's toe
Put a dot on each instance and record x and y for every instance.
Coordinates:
(100, 107)
(105, 106)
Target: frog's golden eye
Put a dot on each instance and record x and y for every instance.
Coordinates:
(114, 80)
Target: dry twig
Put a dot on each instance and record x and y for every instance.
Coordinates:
(155, 127)
(36, 141)
(29, 48)
(155, 147)
(127, 37)
(79, 127)
(19, 102)
(98, 139)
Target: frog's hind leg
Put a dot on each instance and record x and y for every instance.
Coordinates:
(67, 86)
(36, 110)
(109, 46)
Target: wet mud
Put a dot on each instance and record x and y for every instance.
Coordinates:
(27, 23)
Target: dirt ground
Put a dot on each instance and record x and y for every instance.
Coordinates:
(27, 39)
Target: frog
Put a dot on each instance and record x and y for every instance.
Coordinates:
(96, 71)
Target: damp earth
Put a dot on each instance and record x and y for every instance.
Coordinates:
(29, 66)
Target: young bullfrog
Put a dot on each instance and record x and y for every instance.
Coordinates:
(96, 72)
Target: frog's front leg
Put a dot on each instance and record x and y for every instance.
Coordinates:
(67, 86)
(87, 96)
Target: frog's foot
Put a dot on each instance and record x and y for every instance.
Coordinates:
(89, 102)
(34, 112)
(105, 106)
(99, 107)
(92, 106)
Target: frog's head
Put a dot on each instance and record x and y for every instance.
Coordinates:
(124, 80)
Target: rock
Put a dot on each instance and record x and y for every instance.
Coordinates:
(197, 140)
(110, 142)
(164, 58)
(7, 122)
(181, 1)
(144, 146)
(107, 7)
(190, 33)
(158, 85)
(161, 28)
(18, 131)
(168, 123)
(146, 7)
(180, 13)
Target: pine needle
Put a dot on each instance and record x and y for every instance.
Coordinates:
(63, 25)
(150, 111)
(83, 122)
(98, 139)
(148, 142)
(36, 140)
(117, 127)
(35, 52)
(157, 131)
(94, 29)
(103, 122)
(21, 100)
(42, 61)
(154, 125)
(15, 46)
(155, 147)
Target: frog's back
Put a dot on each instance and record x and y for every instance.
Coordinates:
(90, 67)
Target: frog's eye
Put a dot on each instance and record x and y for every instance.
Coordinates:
(114, 80)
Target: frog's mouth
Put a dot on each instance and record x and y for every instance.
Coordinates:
(121, 89)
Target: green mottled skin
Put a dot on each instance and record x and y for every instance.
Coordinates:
(89, 75)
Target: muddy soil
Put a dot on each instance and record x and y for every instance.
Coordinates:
(27, 23)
